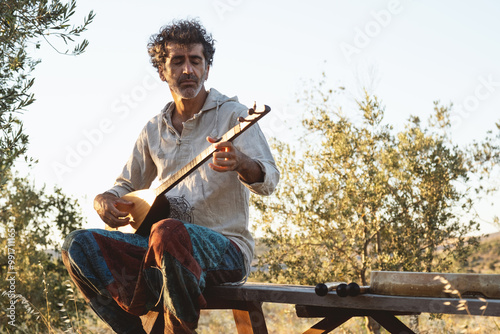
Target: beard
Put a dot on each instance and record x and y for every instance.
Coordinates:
(188, 85)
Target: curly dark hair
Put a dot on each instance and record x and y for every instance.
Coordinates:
(184, 32)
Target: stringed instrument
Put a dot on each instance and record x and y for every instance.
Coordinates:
(151, 206)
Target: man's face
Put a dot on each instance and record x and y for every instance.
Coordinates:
(185, 70)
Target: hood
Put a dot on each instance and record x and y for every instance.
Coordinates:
(215, 99)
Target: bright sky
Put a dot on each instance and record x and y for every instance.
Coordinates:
(91, 108)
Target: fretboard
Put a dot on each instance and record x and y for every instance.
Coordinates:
(232, 134)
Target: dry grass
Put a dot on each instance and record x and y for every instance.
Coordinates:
(281, 318)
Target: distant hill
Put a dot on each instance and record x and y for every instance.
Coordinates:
(486, 260)
(491, 236)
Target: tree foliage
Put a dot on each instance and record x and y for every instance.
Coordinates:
(32, 272)
(362, 197)
(32, 221)
(24, 25)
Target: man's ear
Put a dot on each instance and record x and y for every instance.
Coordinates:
(208, 70)
(160, 73)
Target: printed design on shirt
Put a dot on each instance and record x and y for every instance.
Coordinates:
(180, 209)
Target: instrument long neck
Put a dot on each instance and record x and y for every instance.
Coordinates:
(244, 123)
(182, 173)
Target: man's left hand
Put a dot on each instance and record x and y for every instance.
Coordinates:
(229, 158)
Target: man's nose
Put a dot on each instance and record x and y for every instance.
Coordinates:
(188, 68)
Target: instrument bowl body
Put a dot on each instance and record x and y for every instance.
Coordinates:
(159, 210)
(147, 210)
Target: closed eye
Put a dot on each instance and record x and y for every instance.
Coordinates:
(196, 60)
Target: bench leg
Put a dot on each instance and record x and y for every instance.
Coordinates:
(251, 320)
(328, 324)
(335, 317)
(391, 323)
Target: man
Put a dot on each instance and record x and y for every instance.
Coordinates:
(206, 240)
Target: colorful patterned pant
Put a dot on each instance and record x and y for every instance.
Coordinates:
(123, 276)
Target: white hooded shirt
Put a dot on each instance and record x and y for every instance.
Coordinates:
(219, 201)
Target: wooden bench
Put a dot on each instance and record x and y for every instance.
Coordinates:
(246, 302)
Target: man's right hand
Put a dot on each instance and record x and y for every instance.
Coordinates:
(106, 206)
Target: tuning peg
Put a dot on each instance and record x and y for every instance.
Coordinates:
(251, 111)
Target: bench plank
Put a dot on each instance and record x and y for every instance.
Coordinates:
(305, 295)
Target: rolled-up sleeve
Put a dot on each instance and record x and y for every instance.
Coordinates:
(271, 179)
(254, 144)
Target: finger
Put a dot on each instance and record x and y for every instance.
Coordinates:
(223, 155)
(119, 214)
(224, 162)
(224, 146)
(213, 140)
(122, 208)
(223, 166)
(114, 221)
(116, 224)
(124, 202)
(221, 145)
(219, 168)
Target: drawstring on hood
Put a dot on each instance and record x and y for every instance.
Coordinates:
(216, 100)
(215, 133)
